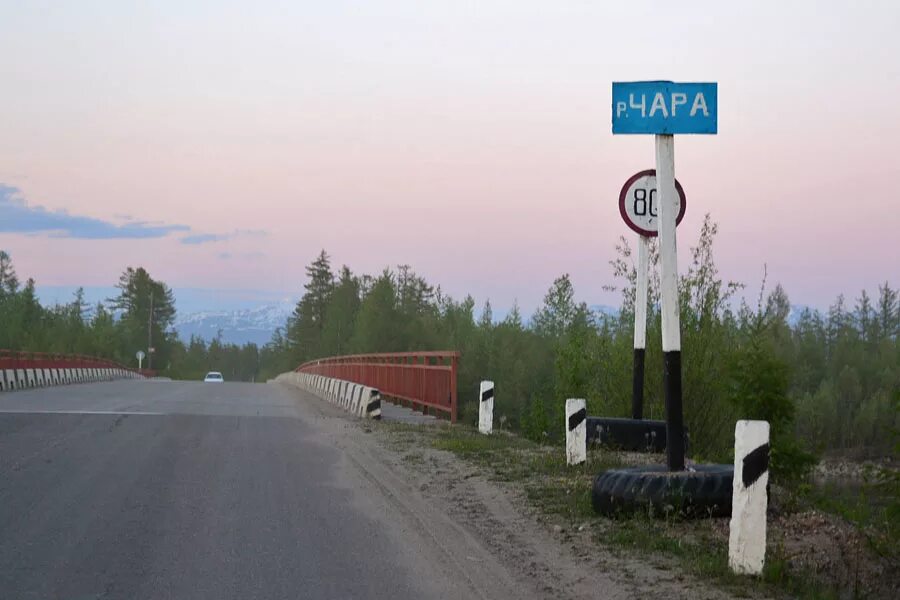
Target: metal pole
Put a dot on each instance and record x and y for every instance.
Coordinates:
(150, 334)
(640, 329)
(671, 327)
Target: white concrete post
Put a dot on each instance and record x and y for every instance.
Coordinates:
(747, 538)
(486, 407)
(576, 431)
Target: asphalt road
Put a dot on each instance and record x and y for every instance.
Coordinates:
(190, 491)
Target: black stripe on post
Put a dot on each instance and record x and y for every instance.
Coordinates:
(674, 411)
(755, 464)
(637, 385)
(374, 401)
(487, 394)
(576, 418)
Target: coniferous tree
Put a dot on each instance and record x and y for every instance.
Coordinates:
(379, 324)
(305, 326)
(341, 315)
(147, 309)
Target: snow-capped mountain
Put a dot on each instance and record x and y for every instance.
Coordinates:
(250, 325)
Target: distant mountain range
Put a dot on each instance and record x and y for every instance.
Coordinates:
(243, 316)
(242, 326)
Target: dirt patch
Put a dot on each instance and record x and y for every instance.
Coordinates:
(560, 558)
(834, 551)
(810, 553)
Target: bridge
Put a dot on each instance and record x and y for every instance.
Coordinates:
(118, 485)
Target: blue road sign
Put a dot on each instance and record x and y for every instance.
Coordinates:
(664, 107)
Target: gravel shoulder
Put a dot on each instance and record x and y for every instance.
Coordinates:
(483, 533)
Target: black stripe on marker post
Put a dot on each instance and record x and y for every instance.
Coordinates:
(674, 411)
(637, 385)
(576, 418)
(755, 464)
(487, 394)
(374, 401)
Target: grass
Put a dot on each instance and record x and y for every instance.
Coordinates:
(548, 482)
(556, 489)
(698, 552)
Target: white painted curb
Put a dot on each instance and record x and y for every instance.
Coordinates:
(360, 400)
(28, 378)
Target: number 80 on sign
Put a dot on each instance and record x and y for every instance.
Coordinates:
(639, 203)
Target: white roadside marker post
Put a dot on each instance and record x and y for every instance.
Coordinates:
(576, 431)
(747, 536)
(486, 407)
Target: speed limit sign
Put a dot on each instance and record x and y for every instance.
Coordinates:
(639, 206)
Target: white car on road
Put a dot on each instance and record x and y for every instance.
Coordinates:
(214, 377)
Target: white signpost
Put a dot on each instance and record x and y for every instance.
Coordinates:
(665, 108)
(140, 358)
(639, 207)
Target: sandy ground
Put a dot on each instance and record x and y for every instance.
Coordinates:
(482, 533)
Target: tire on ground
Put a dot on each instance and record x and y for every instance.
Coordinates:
(703, 491)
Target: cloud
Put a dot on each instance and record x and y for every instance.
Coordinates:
(16, 216)
(205, 238)
(249, 256)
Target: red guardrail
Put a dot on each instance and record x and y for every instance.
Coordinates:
(12, 359)
(424, 380)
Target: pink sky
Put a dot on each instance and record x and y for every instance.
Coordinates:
(470, 140)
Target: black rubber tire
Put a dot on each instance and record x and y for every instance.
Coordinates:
(702, 491)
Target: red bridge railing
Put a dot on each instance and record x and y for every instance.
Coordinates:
(425, 381)
(12, 359)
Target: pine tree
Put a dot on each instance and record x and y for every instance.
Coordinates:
(341, 315)
(379, 323)
(304, 329)
(148, 310)
(9, 283)
(558, 310)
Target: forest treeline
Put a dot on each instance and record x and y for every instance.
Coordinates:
(115, 329)
(826, 381)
